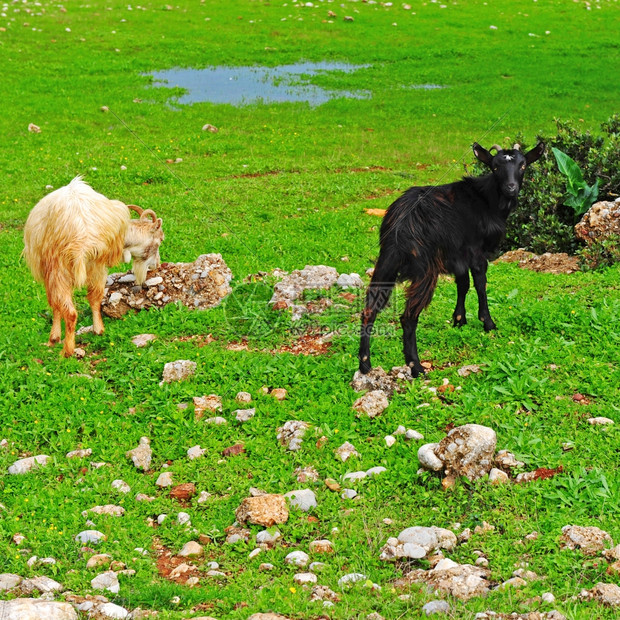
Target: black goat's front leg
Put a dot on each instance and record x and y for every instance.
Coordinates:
(462, 287)
(377, 297)
(479, 273)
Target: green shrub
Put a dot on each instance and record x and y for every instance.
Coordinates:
(600, 253)
(542, 222)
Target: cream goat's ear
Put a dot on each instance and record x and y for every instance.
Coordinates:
(126, 256)
(159, 223)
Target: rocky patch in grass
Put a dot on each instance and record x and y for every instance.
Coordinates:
(198, 285)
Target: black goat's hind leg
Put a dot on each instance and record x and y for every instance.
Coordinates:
(419, 295)
(479, 273)
(377, 296)
(462, 287)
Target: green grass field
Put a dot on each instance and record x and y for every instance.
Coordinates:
(285, 185)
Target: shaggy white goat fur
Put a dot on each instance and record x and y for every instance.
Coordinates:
(72, 236)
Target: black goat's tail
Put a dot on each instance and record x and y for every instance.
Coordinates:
(423, 284)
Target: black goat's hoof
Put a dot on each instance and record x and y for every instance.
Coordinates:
(416, 369)
(365, 367)
(489, 326)
(459, 321)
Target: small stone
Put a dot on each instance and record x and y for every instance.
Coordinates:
(90, 537)
(178, 371)
(548, 597)
(485, 528)
(349, 494)
(298, 558)
(497, 476)
(142, 340)
(121, 486)
(600, 421)
(304, 499)
(410, 435)
(106, 581)
(36, 609)
(244, 415)
(268, 537)
(465, 371)
(164, 479)
(79, 454)
(211, 403)
(8, 581)
(436, 607)
(265, 566)
(23, 466)
(191, 549)
(195, 452)
(203, 497)
(321, 546)
(468, 451)
(427, 457)
(184, 519)
(111, 610)
(389, 440)
(306, 474)
(346, 451)
(372, 403)
(279, 393)
(375, 471)
(355, 475)
(591, 540)
(351, 578)
(243, 397)
(305, 578)
(513, 582)
(266, 510)
(291, 434)
(217, 420)
(183, 492)
(143, 497)
(210, 128)
(349, 280)
(108, 509)
(99, 559)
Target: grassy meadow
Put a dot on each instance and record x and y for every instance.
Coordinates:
(284, 185)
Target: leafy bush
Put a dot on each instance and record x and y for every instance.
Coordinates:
(580, 195)
(600, 253)
(543, 222)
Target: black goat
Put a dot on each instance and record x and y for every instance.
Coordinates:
(443, 229)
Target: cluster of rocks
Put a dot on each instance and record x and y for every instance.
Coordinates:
(469, 451)
(290, 290)
(199, 285)
(601, 221)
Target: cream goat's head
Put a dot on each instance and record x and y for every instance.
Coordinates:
(142, 241)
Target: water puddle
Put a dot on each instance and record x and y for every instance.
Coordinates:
(245, 85)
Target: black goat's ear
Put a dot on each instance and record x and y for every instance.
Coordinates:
(482, 154)
(535, 153)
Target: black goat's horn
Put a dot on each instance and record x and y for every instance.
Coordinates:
(497, 147)
(517, 146)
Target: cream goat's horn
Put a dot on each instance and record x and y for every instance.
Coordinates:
(148, 213)
(516, 146)
(497, 147)
(136, 208)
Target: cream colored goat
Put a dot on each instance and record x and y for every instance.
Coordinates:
(72, 236)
